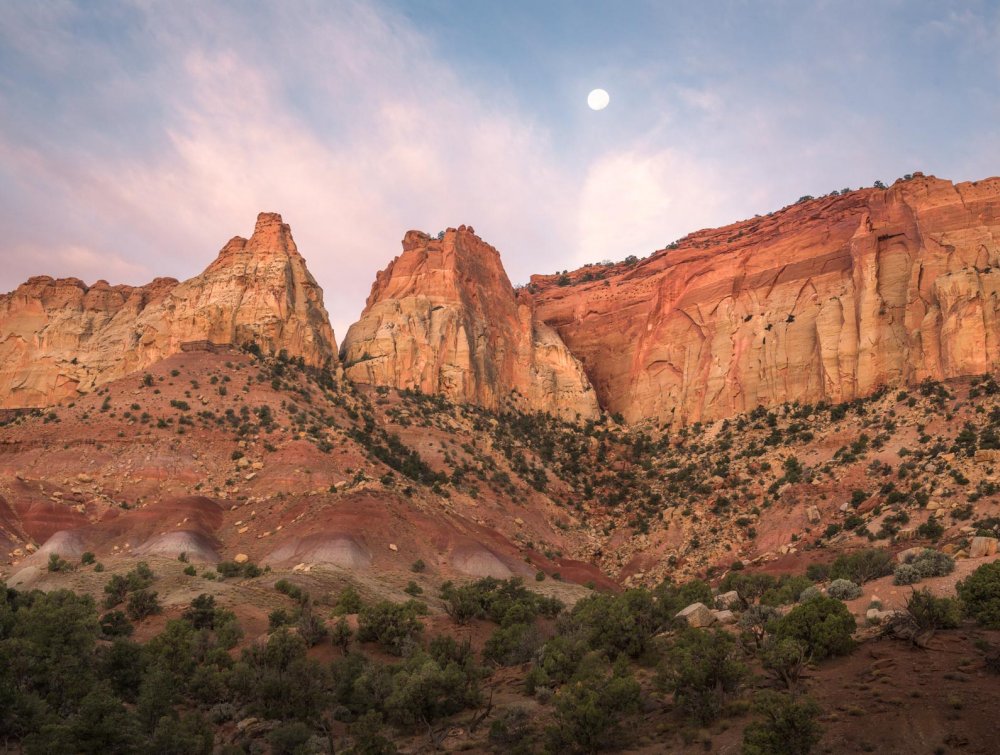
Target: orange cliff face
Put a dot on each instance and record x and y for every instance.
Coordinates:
(828, 299)
(59, 338)
(444, 318)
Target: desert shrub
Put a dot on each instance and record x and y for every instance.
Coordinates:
(810, 593)
(556, 662)
(619, 624)
(788, 590)
(412, 588)
(843, 589)
(395, 626)
(511, 729)
(341, 634)
(115, 624)
(368, 738)
(932, 563)
(418, 566)
(231, 569)
(504, 602)
(754, 623)
(862, 566)
(930, 612)
(142, 603)
(818, 572)
(424, 690)
(703, 670)
(289, 739)
(905, 574)
(980, 593)
(787, 726)
(348, 601)
(823, 625)
(58, 564)
(590, 708)
(672, 598)
(784, 659)
(312, 628)
(749, 587)
(511, 645)
(87, 558)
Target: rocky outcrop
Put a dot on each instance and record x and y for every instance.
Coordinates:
(444, 318)
(827, 299)
(60, 337)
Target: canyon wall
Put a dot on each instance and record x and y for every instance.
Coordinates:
(59, 337)
(827, 299)
(444, 318)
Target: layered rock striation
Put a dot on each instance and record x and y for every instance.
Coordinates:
(444, 318)
(59, 337)
(828, 299)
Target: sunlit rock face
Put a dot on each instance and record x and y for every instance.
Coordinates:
(827, 299)
(59, 337)
(444, 318)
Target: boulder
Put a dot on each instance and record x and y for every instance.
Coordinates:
(724, 617)
(812, 513)
(241, 558)
(982, 546)
(729, 599)
(697, 615)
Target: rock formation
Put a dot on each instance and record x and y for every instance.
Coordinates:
(444, 318)
(60, 337)
(827, 299)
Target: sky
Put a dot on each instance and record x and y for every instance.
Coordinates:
(137, 137)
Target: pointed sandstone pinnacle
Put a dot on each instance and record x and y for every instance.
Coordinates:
(59, 338)
(444, 318)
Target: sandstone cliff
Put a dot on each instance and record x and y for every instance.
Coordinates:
(60, 337)
(443, 318)
(826, 299)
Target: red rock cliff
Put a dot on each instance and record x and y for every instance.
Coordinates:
(826, 299)
(443, 317)
(61, 337)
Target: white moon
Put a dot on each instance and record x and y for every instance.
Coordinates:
(598, 99)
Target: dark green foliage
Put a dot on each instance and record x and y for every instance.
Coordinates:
(823, 625)
(504, 602)
(787, 726)
(418, 566)
(862, 566)
(621, 624)
(749, 587)
(511, 730)
(703, 670)
(289, 739)
(930, 612)
(980, 594)
(87, 558)
(512, 644)
(349, 601)
(395, 626)
(115, 624)
(589, 710)
(182, 735)
(231, 569)
(785, 659)
(426, 689)
(58, 564)
(788, 590)
(368, 737)
(141, 604)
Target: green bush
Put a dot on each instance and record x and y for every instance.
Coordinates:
(905, 574)
(87, 558)
(930, 612)
(980, 593)
(788, 726)
(503, 602)
(348, 601)
(749, 587)
(511, 645)
(589, 710)
(395, 626)
(425, 690)
(755, 623)
(785, 659)
(58, 564)
(621, 624)
(823, 625)
(141, 604)
(703, 670)
(863, 566)
(511, 730)
(843, 589)
(932, 563)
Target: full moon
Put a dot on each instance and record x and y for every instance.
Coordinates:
(598, 99)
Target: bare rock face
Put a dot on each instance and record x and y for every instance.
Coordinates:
(828, 299)
(444, 318)
(60, 337)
